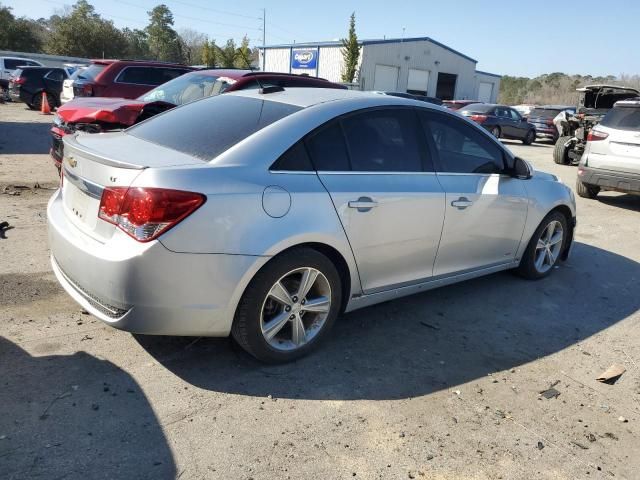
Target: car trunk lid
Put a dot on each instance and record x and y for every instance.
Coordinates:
(94, 161)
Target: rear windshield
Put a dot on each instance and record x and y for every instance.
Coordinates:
(185, 89)
(210, 126)
(91, 72)
(623, 118)
(478, 107)
(545, 112)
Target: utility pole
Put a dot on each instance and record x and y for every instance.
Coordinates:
(264, 37)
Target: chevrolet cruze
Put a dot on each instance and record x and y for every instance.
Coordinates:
(267, 214)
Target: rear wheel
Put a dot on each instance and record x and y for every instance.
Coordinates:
(530, 137)
(545, 247)
(36, 103)
(289, 306)
(560, 152)
(495, 131)
(586, 190)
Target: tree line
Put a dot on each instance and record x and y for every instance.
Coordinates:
(555, 88)
(81, 32)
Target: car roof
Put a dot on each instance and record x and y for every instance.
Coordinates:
(19, 58)
(153, 63)
(599, 86)
(555, 107)
(307, 97)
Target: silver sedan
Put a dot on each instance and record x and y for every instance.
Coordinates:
(267, 214)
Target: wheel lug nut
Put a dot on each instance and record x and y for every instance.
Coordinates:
(287, 309)
(292, 317)
(295, 299)
(303, 301)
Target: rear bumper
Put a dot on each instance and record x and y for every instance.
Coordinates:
(144, 287)
(546, 132)
(610, 180)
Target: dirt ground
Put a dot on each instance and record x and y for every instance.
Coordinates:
(439, 385)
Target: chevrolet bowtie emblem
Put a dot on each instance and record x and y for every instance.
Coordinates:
(73, 162)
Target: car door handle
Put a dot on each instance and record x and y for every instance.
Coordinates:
(363, 204)
(461, 203)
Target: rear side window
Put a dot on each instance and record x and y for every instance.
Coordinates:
(148, 75)
(91, 72)
(544, 112)
(295, 159)
(55, 75)
(623, 118)
(208, 127)
(383, 141)
(327, 149)
(11, 64)
(461, 148)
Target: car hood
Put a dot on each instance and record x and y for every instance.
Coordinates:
(548, 177)
(109, 110)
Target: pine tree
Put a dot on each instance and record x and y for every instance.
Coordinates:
(350, 52)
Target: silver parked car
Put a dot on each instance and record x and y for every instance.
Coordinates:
(611, 160)
(267, 213)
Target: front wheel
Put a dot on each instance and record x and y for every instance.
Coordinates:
(530, 137)
(560, 152)
(289, 306)
(545, 247)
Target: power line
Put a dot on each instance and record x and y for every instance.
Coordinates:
(215, 10)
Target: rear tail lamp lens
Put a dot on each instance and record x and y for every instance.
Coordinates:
(478, 118)
(146, 213)
(19, 80)
(596, 136)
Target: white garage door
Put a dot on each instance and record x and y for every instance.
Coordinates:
(485, 90)
(418, 82)
(385, 78)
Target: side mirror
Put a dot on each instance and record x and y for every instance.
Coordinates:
(521, 169)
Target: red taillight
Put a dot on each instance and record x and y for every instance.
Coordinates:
(146, 213)
(19, 80)
(87, 90)
(478, 118)
(596, 136)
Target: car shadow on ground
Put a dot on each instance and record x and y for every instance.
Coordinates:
(26, 138)
(628, 202)
(75, 416)
(427, 342)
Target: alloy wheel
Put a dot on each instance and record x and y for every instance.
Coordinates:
(295, 309)
(548, 246)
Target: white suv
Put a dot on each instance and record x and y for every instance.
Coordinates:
(9, 64)
(611, 160)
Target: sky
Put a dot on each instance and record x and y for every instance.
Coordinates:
(506, 37)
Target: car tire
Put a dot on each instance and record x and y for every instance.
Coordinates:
(530, 265)
(586, 190)
(560, 152)
(36, 103)
(495, 131)
(529, 138)
(259, 313)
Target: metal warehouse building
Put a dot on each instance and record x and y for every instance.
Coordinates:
(416, 65)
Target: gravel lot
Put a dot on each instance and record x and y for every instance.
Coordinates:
(439, 385)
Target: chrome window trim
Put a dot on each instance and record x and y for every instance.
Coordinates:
(92, 189)
(293, 172)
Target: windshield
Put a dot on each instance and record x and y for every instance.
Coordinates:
(188, 88)
(210, 126)
(91, 72)
(546, 112)
(77, 73)
(623, 118)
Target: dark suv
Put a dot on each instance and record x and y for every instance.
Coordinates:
(124, 78)
(103, 114)
(29, 83)
(542, 119)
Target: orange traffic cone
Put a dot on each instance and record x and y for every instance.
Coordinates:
(46, 109)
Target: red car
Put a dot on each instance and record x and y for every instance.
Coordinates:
(103, 114)
(124, 78)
